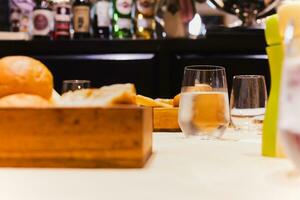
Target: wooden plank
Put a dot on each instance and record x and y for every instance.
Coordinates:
(75, 137)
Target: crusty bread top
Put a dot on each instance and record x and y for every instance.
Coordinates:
(21, 74)
(105, 96)
(147, 101)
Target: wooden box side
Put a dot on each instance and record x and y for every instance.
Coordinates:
(166, 119)
(75, 137)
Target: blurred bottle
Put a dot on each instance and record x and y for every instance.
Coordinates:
(21, 15)
(15, 20)
(289, 111)
(42, 20)
(144, 19)
(122, 19)
(175, 15)
(62, 17)
(81, 19)
(101, 22)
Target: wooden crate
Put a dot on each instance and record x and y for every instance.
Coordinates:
(76, 137)
(166, 119)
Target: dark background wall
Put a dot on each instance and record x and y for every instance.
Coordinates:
(4, 15)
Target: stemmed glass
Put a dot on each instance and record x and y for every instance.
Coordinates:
(204, 107)
(72, 85)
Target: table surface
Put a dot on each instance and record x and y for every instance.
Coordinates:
(180, 168)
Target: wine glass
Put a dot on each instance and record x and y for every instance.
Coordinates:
(248, 102)
(204, 107)
(72, 85)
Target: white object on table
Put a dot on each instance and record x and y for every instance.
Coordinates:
(180, 169)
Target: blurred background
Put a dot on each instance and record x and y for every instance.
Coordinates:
(187, 32)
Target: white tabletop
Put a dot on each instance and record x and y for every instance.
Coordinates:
(183, 169)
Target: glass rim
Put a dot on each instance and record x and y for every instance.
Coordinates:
(248, 77)
(209, 68)
(76, 81)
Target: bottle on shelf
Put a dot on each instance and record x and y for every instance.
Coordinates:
(15, 22)
(101, 21)
(81, 19)
(62, 20)
(144, 19)
(122, 24)
(42, 20)
(21, 15)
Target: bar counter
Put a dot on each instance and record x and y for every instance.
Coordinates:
(230, 168)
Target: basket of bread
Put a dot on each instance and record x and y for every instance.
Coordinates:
(90, 128)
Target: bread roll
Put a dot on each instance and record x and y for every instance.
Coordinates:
(176, 100)
(106, 96)
(21, 74)
(199, 88)
(23, 100)
(196, 88)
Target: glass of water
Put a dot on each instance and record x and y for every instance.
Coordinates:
(248, 102)
(204, 107)
(72, 85)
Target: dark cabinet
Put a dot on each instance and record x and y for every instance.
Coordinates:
(4, 12)
(105, 69)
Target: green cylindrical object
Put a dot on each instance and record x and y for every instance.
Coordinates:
(275, 51)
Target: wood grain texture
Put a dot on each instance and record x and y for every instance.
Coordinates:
(76, 137)
(166, 119)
